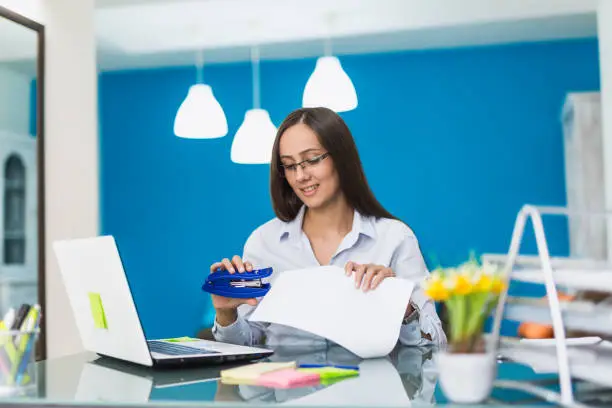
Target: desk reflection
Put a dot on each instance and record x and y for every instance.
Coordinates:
(406, 376)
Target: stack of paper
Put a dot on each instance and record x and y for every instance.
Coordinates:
(325, 302)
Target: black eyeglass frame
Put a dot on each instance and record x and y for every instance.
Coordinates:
(304, 163)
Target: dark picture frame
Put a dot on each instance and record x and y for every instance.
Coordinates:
(41, 351)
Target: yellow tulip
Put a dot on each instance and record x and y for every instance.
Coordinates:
(436, 289)
(484, 283)
(461, 284)
(498, 285)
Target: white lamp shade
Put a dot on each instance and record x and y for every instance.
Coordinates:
(254, 139)
(330, 86)
(200, 116)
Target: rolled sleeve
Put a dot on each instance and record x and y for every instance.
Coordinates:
(238, 332)
(408, 263)
(428, 323)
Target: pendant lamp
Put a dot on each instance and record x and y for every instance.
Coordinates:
(254, 139)
(329, 85)
(200, 115)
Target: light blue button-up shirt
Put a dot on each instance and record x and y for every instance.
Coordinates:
(284, 246)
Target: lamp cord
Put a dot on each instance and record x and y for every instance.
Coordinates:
(330, 25)
(200, 67)
(327, 46)
(255, 72)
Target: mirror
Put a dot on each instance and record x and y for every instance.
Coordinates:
(21, 159)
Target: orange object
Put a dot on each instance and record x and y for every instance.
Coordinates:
(530, 330)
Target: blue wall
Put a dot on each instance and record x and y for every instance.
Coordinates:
(453, 142)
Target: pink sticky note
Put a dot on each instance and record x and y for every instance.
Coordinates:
(288, 379)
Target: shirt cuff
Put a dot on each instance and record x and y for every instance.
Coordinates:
(427, 327)
(410, 334)
(419, 298)
(236, 333)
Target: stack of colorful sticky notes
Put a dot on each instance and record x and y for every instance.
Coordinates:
(286, 375)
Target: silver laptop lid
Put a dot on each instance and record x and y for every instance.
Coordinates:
(101, 299)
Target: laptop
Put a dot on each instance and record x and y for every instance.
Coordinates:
(107, 317)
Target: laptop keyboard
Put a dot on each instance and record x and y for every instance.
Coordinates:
(176, 349)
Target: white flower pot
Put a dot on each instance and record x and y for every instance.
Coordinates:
(466, 378)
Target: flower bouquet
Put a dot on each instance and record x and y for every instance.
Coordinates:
(470, 292)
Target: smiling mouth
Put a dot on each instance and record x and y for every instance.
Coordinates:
(310, 189)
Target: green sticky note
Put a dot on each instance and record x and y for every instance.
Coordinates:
(331, 373)
(97, 311)
(182, 339)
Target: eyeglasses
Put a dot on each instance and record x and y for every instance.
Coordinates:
(304, 163)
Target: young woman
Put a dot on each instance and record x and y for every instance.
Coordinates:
(326, 215)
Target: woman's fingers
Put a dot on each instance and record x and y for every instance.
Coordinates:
(237, 261)
(228, 265)
(215, 266)
(348, 268)
(376, 280)
(236, 264)
(380, 276)
(359, 272)
(371, 271)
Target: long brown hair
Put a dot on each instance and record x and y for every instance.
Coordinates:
(335, 136)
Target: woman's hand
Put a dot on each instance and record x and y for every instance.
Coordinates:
(233, 266)
(368, 276)
(225, 307)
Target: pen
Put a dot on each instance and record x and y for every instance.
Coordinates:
(8, 318)
(20, 316)
(28, 325)
(25, 359)
(23, 327)
(328, 365)
(26, 345)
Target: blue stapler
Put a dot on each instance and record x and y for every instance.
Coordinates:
(238, 285)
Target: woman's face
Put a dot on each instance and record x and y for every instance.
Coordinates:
(315, 181)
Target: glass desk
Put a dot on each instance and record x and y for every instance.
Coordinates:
(407, 377)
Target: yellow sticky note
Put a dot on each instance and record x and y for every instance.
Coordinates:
(249, 374)
(97, 311)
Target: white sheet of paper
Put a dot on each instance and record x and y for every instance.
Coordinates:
(325, 302)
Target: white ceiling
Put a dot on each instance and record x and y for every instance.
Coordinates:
(145, 33)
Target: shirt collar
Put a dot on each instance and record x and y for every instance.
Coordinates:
(364, 225)
(293, 229)
(361, 225)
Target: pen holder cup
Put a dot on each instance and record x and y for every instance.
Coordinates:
(17, 362)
